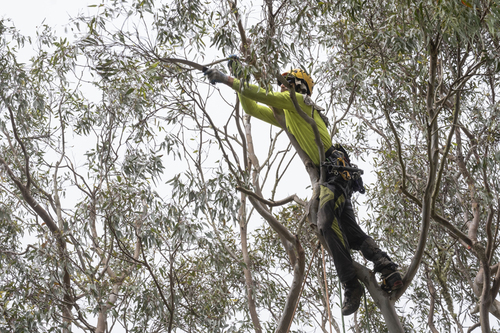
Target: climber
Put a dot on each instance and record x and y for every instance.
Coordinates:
(336, 220)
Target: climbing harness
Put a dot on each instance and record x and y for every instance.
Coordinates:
(337, 158)
(337, 163)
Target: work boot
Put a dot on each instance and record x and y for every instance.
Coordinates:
(372, 252)
(391, 279)
(353, 290)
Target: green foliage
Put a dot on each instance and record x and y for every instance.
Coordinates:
(386, 50)
(138, 169)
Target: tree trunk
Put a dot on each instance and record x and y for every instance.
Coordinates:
(383, 300)
(294, 293)
(246, 270)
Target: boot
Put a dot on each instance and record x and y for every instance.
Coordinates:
(391, 279)
(372, 252)
(353, 291)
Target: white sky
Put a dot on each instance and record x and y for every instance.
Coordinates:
(27, 15)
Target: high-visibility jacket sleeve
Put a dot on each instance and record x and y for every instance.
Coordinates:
(280, 100)
(251, 95)
(259, 111)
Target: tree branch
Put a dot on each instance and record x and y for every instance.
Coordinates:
(272, 203)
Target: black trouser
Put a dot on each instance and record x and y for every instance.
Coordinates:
(337, 224)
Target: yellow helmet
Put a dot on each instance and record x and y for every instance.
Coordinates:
(302, 75)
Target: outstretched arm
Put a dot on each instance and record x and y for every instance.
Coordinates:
(258, 111)
(280, 100)
(248, 103)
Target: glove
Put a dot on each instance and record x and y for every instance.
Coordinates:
(214, 75)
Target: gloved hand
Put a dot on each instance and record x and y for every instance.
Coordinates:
(214, 75)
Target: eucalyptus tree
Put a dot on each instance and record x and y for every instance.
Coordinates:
(88, 244)
(102, 231)
(425, 75)
(131, 185)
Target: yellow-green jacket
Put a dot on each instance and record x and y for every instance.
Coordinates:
(251, 95)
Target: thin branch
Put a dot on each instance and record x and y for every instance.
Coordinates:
(432, 292)
(272, 203)
(21, 143)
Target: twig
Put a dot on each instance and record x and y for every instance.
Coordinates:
(272, 203)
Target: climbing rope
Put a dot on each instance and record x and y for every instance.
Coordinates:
(326, 288)
(340, 297)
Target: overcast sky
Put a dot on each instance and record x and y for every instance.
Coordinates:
(28, 15)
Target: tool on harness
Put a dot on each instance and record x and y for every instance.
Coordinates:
(338, 163)
(348, 170)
